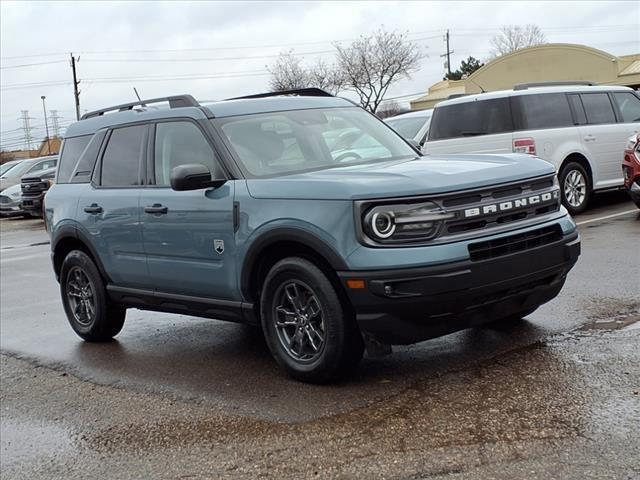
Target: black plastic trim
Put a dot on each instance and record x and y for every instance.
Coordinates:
(286, 234)
(241, 312)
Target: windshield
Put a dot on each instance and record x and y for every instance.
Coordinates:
(18, 169)
(408, 127)
(8, 166)
(281, 143)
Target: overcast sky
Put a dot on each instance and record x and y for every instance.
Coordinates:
(166, 48)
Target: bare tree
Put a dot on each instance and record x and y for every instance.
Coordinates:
(515, 37)
(325, 76)
(373, 63)
(287, 73)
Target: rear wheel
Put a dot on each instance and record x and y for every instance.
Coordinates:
(90, 312)
(307, 328)
(575, 187)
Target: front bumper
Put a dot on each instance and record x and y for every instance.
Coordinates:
(33, 204)
(410, 305)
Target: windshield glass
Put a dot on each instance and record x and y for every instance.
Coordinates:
(407, 127)
(18, 169)
(8, 166)
(281, 143)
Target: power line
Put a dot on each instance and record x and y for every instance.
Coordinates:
(31, 64)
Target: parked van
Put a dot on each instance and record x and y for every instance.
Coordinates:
(581, 129)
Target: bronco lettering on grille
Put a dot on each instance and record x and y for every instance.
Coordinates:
(533, 200)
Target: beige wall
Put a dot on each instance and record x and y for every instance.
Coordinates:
(551, 62)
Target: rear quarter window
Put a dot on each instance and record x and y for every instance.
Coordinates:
(598, 108)
(534, 112)
(484, 117)
(72, 148)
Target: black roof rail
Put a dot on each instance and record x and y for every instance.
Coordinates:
(176, 101)
(302, 92)
(526, 86)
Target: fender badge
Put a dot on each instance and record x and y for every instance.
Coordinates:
(218, 246)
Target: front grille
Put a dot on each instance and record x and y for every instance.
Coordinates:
(514, 243)
(33, 187)
(510, 196)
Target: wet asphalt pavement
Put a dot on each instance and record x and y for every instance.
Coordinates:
(554, 396)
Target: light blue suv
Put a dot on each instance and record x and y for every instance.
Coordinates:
(302, 213)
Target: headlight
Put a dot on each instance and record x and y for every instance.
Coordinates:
(15, 194)
(403, 223)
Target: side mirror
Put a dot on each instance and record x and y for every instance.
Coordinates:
(193, 176)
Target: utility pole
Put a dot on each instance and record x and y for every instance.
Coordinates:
(448, 53)
(76, 82)
(55, 125)
(46, 124)
(26, 127)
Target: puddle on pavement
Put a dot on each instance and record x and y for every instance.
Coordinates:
(611, 314)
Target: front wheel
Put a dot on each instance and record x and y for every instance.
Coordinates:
(575, 187)
(307, 328)
(90, 312)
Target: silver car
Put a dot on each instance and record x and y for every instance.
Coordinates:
(13, 174)
(10, 200)
(412, 125)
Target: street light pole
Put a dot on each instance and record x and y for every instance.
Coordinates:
(46, 124)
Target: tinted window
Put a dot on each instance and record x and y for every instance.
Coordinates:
(121, 159)
(598, 108)
(84, 167)
(578, 109)
(71, 150)
(629, 106)
(534, 112)
(178, 143)
(471, 118)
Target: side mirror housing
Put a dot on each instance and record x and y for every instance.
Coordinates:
(193, 176)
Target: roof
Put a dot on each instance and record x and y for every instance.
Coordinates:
(532, 91)
(225, 108)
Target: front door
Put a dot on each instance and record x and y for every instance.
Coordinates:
(188, 236)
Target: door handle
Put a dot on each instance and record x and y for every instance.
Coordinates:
(94, 209)
(157, 209)
(589, 138)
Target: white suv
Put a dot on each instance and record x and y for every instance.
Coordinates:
(582, 130)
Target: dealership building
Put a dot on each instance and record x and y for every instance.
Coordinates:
(554, 62)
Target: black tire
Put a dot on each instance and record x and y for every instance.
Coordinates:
(307, 360)
(81, 282)
(575, 197)
(506, 322)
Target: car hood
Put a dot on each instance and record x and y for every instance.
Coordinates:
(399, 178)
(8, 182)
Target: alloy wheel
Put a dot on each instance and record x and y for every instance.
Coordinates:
(81, 296)
(299, 321)
(575, 188)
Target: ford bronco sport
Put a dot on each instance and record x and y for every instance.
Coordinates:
(304, 214)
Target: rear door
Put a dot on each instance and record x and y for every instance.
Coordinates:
(603, 138)
(109, 207)
(477, 126)
(189, 236)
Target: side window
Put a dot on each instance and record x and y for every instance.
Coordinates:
(177, 143)
(471, 118)
(598, 108)
(71, 150)
(629, 106)
(549, 110)
(578, 109)
(84, 168)
(121, 159)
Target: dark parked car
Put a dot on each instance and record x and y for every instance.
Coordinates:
(34, 189)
